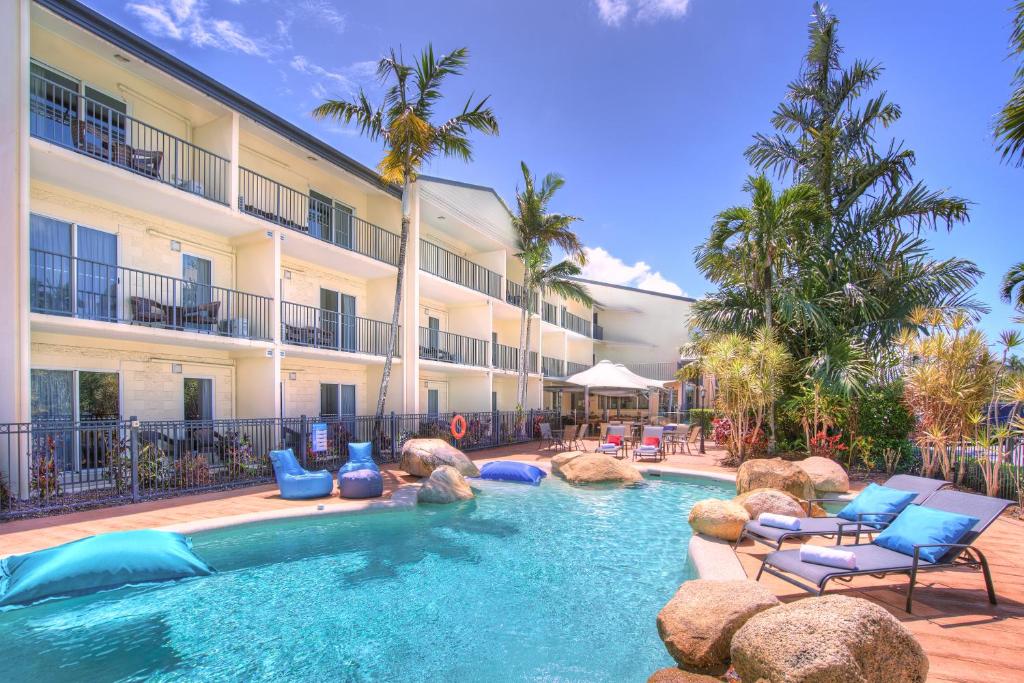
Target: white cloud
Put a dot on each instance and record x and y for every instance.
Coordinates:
(347, 79)
(604, 267)
(615, 12)
(189, 20)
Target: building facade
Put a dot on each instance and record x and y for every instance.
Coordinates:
(174, 251)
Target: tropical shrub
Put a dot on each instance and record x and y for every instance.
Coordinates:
(241, 460)
(44, 478)
(701, 417)
(6, 496)
(882, 423)
(192, 471)
(825, 446)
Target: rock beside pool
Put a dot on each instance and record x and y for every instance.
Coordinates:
(774, 473)
(420, 457)
(827, 476)
(698, 623)
(445, 485)
(832, 639)
(770, 500)
(722, 519)
(673, 674)
(591, 468)
(559, 460)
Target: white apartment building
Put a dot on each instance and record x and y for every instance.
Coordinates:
(174, 251)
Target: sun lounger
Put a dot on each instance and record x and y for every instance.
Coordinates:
(875, 560)
(652, 444)
(609, 447)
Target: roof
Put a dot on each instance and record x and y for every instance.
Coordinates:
(99, 25)
(677, 297)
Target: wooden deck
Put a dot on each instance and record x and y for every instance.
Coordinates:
(967, 640)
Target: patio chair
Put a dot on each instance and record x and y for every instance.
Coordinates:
(652, 444)
(875, 560)
(694, 438)
(569, 436)
(608, 445)
(832, 526)
(296, 482)
(580, 436)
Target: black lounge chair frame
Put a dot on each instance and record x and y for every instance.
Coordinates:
(958, 555)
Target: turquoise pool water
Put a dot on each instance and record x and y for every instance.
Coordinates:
(548, 583)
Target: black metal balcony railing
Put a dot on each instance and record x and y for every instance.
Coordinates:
(66, 118)
(598, 332)
(452, 348)
(549, 313)
(574, 323)
(323, 329)
(553, 367)
(572, 368)
(507, 358)
(79, 288)
(515, 294)
(655, 370)
(457, 269)
(270, 200)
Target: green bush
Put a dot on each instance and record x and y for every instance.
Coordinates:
(883, 421)
(701, 417)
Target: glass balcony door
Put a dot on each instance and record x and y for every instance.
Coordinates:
(55, 274)
(56, 400)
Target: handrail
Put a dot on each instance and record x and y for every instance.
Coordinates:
(553, 367)
(448, 347)
(575, 323)
(549, 313)
(80, 288)
(272, 201)
(458, 269)
(507, 358)
(64, 117)
(571, 368)
(515, 294)
(324, 329)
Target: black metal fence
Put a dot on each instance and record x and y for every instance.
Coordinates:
(448, 347)
(80, 288)
(458, 269)
(966, 468)
(66, 118)
(323, 329)
(549, 313)
(552, 367)
(575, 323)
(270, 200)
(55, 467)
(505, 357)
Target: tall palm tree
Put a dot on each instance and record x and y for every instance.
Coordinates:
(403, 121)
(759, 244)
(537, 232)
(1013, 280)
(1009, 131)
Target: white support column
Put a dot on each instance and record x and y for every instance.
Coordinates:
(409, 315)
(233, 172)
(15, 352)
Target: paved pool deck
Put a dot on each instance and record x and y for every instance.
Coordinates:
(967, 640)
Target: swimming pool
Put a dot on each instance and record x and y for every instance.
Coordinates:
(524, 583)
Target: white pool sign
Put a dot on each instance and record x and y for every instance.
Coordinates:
(318, 436)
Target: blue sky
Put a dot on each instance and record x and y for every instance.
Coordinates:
(645, 106)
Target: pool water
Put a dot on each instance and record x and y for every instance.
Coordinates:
(548, 583)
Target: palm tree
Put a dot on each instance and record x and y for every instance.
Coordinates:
(537, 231)
(758, 245)
(1014, 279)
(403, 121)
(1009, 130)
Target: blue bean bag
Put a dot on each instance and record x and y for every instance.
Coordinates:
(98, 563)
(297, 483)
(510, 470)
(364, 483)
(360, 457)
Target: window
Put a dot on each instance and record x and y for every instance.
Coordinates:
(198, 398)
(494, 401)
(64, 396)
(197, 291)
(433, 402)
(330, 220)
(329, 400)
(434, 334)
(69, 113)
(55, 274)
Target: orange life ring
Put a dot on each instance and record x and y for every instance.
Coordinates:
(458, 426)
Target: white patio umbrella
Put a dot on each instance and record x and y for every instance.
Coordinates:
(609, 377)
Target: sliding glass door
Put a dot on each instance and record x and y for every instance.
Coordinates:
(62, 397)
(54, 274)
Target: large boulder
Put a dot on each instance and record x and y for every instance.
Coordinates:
(590, 468)
(827, 476)
(775, 473)
(673, 674)
(719, 518)
(557, 461)
(420, 457)
(698, 623)
(833, 639)
(445, 485)
(770, 500)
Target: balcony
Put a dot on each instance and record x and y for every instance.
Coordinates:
(452, 348)
(598, 332)
(572, 368)
(68, 119)
(507, 358)
(89, 290)
(553, 367)
(549, 313)
(515, 294)
(454, 268)
(270, 200)
(575, 323)
(660, 371)
(323, 329)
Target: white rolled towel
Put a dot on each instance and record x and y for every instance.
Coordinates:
(779, 521)
(828, 556)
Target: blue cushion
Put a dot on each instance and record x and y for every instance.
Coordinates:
(360, 457)
(920, 526)
(363, 483)
(98, 563)
(880, 499)
(509, 470)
